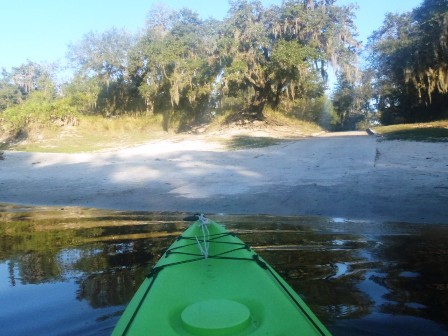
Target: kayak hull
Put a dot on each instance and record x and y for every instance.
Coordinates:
(209, 282)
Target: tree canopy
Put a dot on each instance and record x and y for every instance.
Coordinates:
(184, 67)
(189, 69)
(409, 55)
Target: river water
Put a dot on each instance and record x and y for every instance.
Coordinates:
(71, 271)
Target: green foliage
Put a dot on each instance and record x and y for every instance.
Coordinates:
(30, 77)
(185, 69)
(9, 95)
(281, 53)
(318, 110)
(27, 96)
(21, 82)
(104, 55)
(288, 55)
(409, 55)
(38, 109)
(172, 65)
(352, 102)
(103, 83)
(83, 94)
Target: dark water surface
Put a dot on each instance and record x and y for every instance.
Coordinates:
(72, 271)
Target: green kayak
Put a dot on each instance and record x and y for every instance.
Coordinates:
(210, 283)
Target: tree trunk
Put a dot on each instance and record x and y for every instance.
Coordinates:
(258, 102)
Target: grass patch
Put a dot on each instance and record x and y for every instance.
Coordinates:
(247, 142)
(92, 134)
(304, 127)
(272, 119)
(275, 128)
(430, 132)
(96, 133)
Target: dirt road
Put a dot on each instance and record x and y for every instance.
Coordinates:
(350, 176)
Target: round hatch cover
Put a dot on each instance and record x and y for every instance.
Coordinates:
(215, 317)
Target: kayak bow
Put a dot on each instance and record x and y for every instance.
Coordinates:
(210, 283)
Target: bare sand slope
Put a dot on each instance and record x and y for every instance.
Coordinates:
(351, 176)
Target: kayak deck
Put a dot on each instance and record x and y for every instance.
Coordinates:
(211, 283)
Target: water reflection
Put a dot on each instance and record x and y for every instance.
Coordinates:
(359, 278)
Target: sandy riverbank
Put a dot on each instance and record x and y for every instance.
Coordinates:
(352, 176)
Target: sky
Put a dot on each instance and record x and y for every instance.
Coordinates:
(41, 30)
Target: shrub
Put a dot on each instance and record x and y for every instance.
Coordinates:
(37, 110)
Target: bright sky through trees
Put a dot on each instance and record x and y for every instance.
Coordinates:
(41, 30)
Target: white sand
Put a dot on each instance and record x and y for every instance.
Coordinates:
(351, 176)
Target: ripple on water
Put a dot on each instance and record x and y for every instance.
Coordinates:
(341, 310)
(409, 274)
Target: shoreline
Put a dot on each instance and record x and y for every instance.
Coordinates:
(351, 176)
